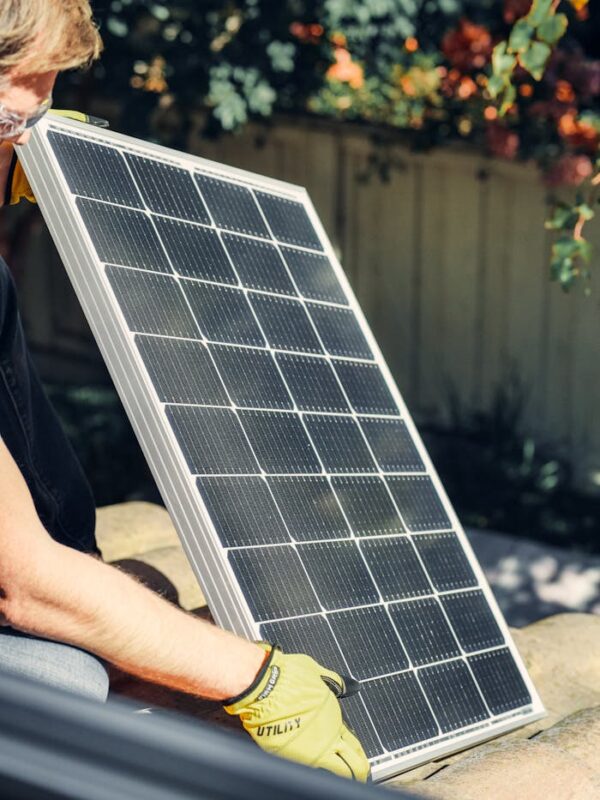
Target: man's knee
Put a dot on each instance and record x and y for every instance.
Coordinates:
(54, 664)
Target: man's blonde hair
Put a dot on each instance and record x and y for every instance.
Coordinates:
(44, 35)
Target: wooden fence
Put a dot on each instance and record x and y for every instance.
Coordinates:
(449, 260)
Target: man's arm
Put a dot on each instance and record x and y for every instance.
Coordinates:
(58, 593)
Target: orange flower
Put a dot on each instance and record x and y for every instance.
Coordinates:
(411, 44)
(466, 88)
(468, 47)
(345, 70)
(578, 133)
(564, 92)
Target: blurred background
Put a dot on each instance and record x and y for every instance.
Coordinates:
(451, 150)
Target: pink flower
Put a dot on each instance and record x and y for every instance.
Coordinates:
(569, 170)
(501, 141)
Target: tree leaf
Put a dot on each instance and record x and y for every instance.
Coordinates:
(495, 85)
(510, 95)
(520, 36)
(502, 62)
(553, 28)
(540, 9)
(534, 59)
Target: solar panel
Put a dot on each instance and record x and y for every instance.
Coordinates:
(300, 488)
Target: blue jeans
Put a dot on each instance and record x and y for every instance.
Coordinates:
(63, 499)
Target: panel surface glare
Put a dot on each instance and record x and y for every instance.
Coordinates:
(301, 491)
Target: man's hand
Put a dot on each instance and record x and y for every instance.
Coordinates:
(292, 710)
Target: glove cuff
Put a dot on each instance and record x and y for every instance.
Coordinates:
(258, 685)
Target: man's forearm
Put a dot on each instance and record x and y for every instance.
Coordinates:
(81, 601)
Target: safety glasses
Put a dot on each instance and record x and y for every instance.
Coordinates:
(12, 124)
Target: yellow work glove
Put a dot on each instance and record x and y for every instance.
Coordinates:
(17, 185)
(292, 710)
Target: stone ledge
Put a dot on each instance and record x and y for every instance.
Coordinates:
(553, 759)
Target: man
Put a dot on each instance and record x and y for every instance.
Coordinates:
(59, 604)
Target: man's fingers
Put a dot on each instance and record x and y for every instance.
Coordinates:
(346, 758)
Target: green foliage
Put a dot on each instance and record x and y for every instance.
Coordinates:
(501, 479)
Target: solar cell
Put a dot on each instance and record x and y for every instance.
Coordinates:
(500, 681)
(339, 443)
(280, 442)
(339, 331)
(243, 511)
(152, 303)
(287, 461)
(194, 251)
(123, 236)
(368, 641)
(167, 189)
(338, 574)
(395, 567)
(285, 323)
(314, 275)
(424, 631)
(196, 381)
(365, 387)
(251, 377)
(367, 505)
(223, 314)
(231, 206)
(472, 620)
(453, 694)
(288, 221)
(258, 264)
(392, 444)
(312, 383)
(309, 508)
(419, 503)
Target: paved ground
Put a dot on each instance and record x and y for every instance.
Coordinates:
(532, 581)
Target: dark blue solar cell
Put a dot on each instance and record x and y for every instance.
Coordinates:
(368, 641)
(312, 383)
(280, 442)
(122, 236)
(273, 582)
(339, 331)
(419, 503)
(152, 303)
(93, 170)
(398, 705)
(445, 561)
(500, 681)
(338, 574)
(472, 620)
(232, 206)
(251, 377)
(367, 505)
(181, 371)
(212, 440)
(453, 695)
(285, 323)
(339, 443)
(258, 264)
(392, 444)
(242, 511)
(223, 314)
(309, 635)
(167, 189)
(288, 221)
(366, 388)
(358, 720)
(314, 276)
(395, 567)
(424, 631)
(309, 508)
(194, 251)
